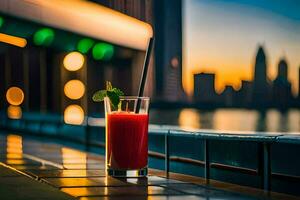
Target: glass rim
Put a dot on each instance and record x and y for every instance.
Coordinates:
(131, 98)
(134, 98)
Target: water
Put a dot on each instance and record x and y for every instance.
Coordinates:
(229, 119)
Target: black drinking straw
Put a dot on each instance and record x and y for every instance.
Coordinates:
(144, 73)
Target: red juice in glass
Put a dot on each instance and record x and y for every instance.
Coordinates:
(127, 137)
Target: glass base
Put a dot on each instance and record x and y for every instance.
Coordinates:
(128, 173)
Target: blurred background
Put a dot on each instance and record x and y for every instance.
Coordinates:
(223, 65)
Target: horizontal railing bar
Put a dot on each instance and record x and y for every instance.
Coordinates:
(234, 168)
(286, 177)
(223, 166)
(156, 154)
(187, 160)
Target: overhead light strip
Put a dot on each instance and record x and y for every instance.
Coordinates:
(13, 40)
(85, 18)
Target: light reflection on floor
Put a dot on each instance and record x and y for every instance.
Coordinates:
(14, 149)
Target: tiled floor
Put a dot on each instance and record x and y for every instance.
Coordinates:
(14, 185)
(82, 175)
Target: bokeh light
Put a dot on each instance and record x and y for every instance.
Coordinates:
(74, 89)
(14, 96)
(174, 62)
(73, 61)
(84, 45)
(14, 112)
(103, 51)
(1, 21)
(74, 114)
(44, 36)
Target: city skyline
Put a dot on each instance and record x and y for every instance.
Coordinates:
(258, 93)
(249, 24)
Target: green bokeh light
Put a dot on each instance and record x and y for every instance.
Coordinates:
(1, 21)
(84, 45)
(43, 36)
(103, 51)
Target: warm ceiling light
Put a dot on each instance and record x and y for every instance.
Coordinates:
(74, 89)
(14, 96)
(73, 61)
(14, 112)
(85, 18)
(74, 114)
(13, 40)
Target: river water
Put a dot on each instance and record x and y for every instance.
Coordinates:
(229, 119)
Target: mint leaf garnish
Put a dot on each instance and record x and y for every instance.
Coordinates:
(118, 91)
(114, 98)
(99, 95)
(112, 93)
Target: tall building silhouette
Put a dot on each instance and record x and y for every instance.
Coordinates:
(204, 88)
(168, 50)
(244, 94)
(228, 96)
(299, 85)
(283, 69)
(281, 86)
(261, 92)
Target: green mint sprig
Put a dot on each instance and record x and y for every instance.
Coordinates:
(111, 92)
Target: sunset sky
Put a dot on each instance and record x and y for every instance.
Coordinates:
(222, 36)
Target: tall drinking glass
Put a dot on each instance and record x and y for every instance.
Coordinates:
(127, 136)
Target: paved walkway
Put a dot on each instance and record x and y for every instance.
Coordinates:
(31, 169)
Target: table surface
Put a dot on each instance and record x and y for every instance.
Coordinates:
(54, 171)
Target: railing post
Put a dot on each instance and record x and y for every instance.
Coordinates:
(264, 165)
(167, 154)
(87, 136)
(206, 160)
(267, 166)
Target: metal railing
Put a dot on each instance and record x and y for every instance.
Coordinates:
(263, 157)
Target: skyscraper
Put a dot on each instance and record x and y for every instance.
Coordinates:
(228, 96)
(282, 69)
(260, 95)
(244, 94)
(168, 50)
(204, 88)
(299, 85)
(281, 86)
